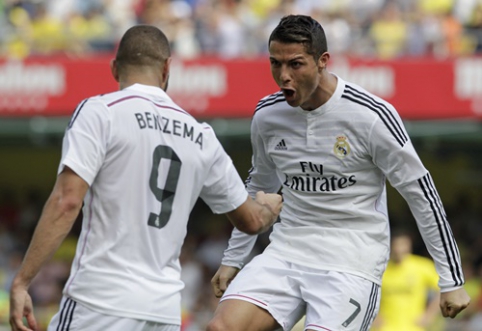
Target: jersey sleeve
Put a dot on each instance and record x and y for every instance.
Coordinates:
(223, 189)
(262, 177)
(393, 152)
(239, 249)
(85, 140)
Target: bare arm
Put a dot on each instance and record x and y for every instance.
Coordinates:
(58, 216)
(256, 216)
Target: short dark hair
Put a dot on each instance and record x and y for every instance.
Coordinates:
(142, 45)
(301, 29)
(397, 232)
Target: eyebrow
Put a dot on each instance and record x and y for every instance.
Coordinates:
(299, 57)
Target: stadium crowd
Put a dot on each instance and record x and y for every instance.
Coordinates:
(239, 28)
(228, 29)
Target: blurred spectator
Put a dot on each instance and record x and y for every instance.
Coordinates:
(47, 33)
(92, 29)
(9, 209)
(30, 211)
(230, 30)
(436, 6)
(410, 294)
(237, 28)
(192, 273)
(474, 27)
(4, 309)
(14, 259)
(389, 32)
(211, 250)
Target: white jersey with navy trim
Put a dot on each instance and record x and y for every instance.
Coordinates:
(146, 161)
(332, 164)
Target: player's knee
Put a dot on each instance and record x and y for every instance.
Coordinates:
(216, 324)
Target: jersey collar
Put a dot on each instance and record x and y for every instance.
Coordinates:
(148, 89)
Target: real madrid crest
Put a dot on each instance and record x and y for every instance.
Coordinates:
(341, 148)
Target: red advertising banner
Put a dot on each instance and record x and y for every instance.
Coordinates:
(210, 87)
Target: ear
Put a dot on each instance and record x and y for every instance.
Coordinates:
(165, 74)
(166, 69)
(113, 70)
(323, 61)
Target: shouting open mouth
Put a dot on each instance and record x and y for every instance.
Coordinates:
(288, 93)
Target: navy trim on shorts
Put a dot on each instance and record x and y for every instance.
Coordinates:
(370, 312)
(66, 315)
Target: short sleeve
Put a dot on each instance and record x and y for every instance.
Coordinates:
(85, 140)
(223, 189)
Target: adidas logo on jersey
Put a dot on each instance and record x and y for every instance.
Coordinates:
(281, 146)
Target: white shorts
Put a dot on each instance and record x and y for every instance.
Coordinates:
(332, 301)
(73, 316)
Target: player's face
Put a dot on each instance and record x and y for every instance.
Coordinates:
(400, 248)
(296, 73)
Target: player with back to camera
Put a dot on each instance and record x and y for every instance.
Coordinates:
(330, 146)
(138, 162)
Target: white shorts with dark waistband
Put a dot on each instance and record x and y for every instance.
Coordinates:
(73, 316)
(331, 300)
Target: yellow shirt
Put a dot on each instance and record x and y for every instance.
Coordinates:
(435, 6)
(389, 38)
(404, 293)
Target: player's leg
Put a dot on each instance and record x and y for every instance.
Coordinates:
(339, 301)
(264, 296)
(241, 315)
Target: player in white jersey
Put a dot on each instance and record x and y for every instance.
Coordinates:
(138, 163)
(330, 146)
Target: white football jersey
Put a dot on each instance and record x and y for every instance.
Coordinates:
(332, 164)
(146, 161)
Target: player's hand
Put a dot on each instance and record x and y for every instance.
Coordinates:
(273, 201)
(453, 302)
(222, 278)
(20, 307)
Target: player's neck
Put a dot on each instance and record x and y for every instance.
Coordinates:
(324, 91)
(139, 79)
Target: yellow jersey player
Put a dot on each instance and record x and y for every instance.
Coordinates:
(409, 285)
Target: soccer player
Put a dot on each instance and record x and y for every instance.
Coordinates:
(330, 145)
(138, 163)
(409, 285)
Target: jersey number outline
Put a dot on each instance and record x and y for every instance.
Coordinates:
(355, 313)
(166, 195)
